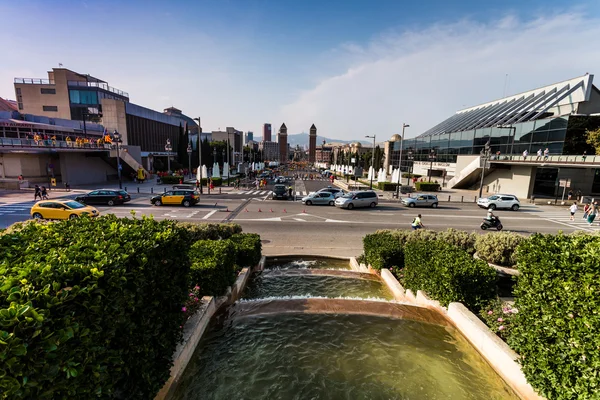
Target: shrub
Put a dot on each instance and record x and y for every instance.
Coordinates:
(387, 186)
(216, 181)
(248, 249)
(448, 274)
(499, 247)
(213, 265)
(90, 308)
(209, 231)
(193, 302)
(406, 175)
(427, 186)
(556, 328)
(461, 239)
(170, 179)
(382, 249)
(499, 317)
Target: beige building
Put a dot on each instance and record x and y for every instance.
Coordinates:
(270, 150)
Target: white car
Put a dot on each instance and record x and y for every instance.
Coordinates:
(498, 201)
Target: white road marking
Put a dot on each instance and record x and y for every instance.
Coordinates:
(207, 216)
(299, 219)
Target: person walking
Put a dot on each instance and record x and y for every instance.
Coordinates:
(584, 156)
(539, 155)
(44, 193)
(586, 210)
(570, 194)
(37, 193)
(546, 153)
(525, 154)
(417, 224)
(592, 213)
(573, 210)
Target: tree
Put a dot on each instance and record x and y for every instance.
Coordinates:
(576, 136)
(182, 143)
(593, 139)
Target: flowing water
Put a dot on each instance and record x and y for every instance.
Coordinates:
(285, 263)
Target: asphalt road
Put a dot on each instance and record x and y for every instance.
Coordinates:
(288, 227)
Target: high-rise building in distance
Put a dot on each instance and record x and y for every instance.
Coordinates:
(267, 132)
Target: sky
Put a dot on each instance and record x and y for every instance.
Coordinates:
(351, 67)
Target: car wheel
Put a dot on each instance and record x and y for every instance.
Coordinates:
(308, 202)
(373, 204)
(515, 207)
(158, 203)
(73, 216)
(37, 216)
(186, 203)
(331, 203)
(350, 206)
(111, 203)
(411, 204)
(492, 206)
(434, 205)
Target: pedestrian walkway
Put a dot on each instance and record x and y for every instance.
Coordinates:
(563, 216)
(15, 206)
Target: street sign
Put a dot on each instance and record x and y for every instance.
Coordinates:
(564, 182)
(53, 181)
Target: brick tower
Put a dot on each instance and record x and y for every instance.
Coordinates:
(283, 145)
(312, 144)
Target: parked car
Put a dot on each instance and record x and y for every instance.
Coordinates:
(182, 197)
(421, 200)
(105, 196)
(280, 192)
(335, 191)
(357, 199)
(61, 209)
(507, 201)
(319, 198)
(280, 179)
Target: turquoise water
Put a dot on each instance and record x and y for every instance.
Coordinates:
(307, 262)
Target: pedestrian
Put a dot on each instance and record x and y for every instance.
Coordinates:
(592, 213)
(570, 194)
(584, 156)
(578, 195)
(37, 192)
(197, 184)
(573, 210)
(417, 224)
(44, 193)
(546, 153)
(67, 187)
(290, 192)
(525, 154)
(586, 210)
(539, 155)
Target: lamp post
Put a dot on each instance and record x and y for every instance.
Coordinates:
(117, 137)
(400, 161)
(199, 152)
(168, 149)
(432, 158)
(485, 154)
(228, 160)
(189, 151)
(513, 131)
(323, 151)
(372, 160)
(411, 158)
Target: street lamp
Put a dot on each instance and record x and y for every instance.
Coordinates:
(189, 151)
(168, 149)
(323, 151)
(411, 158)
(117, 137)
(514, 132)
(400, 161)
(372, 160)
(199, 152)
(432, 158)
(485, 154)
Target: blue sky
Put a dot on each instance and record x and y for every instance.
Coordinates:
(350, 67)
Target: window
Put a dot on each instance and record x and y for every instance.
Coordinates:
(18, 90)
(20, 106)
(83, 97)
(48, 91)
(50, 108)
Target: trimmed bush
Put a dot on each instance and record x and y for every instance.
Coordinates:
(216, 181)
(448, 274)
(406, 175)
(556, 331)
(248, 249)
(427, 186)
(498, 247)
(170, 179)
(382, 249)
(90, 308)
(460, 239)
(387, 186)
(213, 265)
(209, 231)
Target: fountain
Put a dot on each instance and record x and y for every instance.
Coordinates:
(226, 170)
(204, 171)
(216, 173)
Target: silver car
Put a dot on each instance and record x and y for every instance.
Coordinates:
(421, 200)
(357, 199)
(335, 191)
(319, 198)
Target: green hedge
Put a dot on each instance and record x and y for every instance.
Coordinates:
(216, 181)
(461, 239)
(248, 249)
(170, 179)
(213, 265)
(427, 186)
(387, 186)
(448, 274)
(499, 247)
(197, 232)
(557, 328)
(90, 308)
(405, 175)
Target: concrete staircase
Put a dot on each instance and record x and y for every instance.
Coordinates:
(468, 176)
(128, 159)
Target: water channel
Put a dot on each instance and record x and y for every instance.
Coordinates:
(301, 332)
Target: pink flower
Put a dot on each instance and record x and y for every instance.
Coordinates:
(191, 294)
(183, 309)
(490, 312)
(500, 320)
(196, 287)
(196, 299)
(501, 328)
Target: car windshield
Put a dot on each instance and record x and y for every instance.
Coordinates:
(348, 195)
(74, 205)
(122, 193)
(493, 198)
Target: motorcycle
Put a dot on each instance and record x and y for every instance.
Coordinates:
(494, 223)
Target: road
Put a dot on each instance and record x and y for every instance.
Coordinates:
(288, 227)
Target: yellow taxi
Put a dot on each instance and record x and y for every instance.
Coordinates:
(61, 209)
(184, 197)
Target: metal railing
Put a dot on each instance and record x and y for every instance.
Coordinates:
(52, 144)
(558, 159)
(34, 81)
(99, 85)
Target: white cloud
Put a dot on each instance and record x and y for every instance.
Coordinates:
(423, 76)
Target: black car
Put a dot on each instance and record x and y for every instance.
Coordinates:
(105, 196)
(280, 192)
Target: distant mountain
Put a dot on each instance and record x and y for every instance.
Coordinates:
(301, 139)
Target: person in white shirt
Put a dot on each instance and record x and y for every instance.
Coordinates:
(539, 155)
(525, 154)
(573, 210)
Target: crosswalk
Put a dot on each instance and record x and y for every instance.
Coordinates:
(264, 193)
(15, 207)
(563, 217)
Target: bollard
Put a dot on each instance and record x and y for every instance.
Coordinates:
(475, 199)
(138, 188)
(125, 188)
(165, 190)
(448, 198)
(151, 190)
(219, 189)
(461, 198)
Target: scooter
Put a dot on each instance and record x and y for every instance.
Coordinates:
(494, 223)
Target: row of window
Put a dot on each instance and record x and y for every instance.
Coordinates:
(50, 108)
(48, 91)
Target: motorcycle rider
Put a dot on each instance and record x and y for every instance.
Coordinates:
(491, 217)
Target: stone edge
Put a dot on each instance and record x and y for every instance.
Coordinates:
(504, 270)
